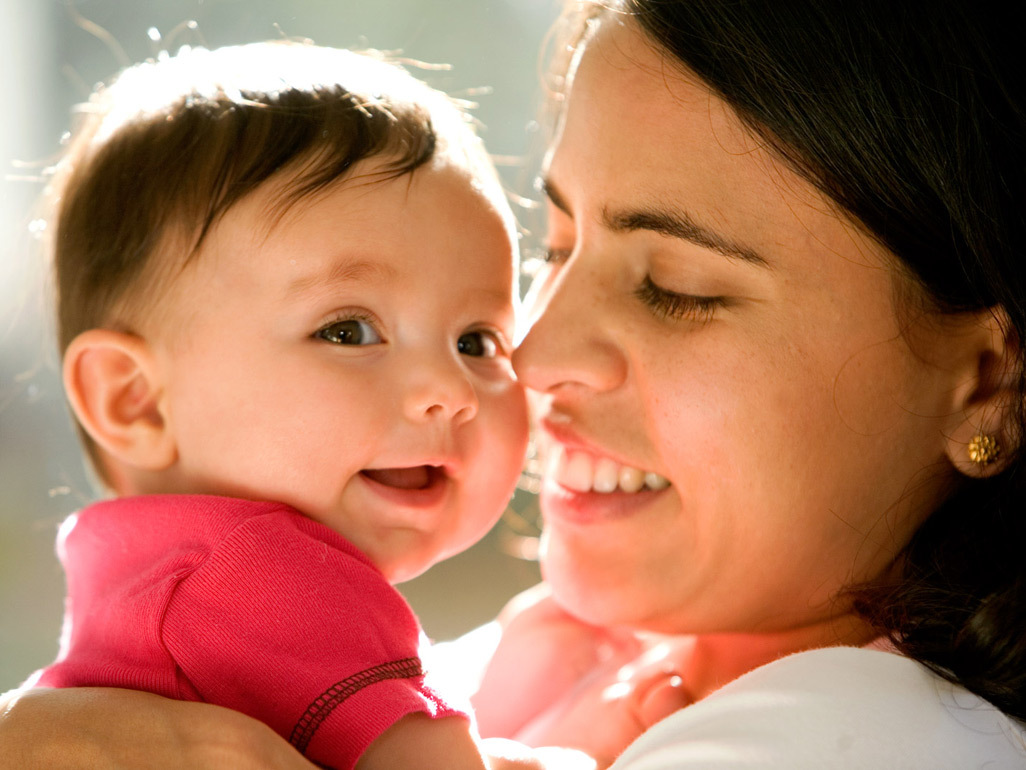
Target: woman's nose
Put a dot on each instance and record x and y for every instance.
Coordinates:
(439, 389)
(569, 345)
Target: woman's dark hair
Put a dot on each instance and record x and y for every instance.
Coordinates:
(912, 117)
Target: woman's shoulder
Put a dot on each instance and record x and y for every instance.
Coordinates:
(843, 707)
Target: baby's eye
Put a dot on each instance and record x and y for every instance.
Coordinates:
(351, 331)
(481, 344)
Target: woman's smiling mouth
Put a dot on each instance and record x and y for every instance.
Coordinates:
(582, 472)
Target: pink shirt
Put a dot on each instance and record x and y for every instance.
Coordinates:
(248, 605)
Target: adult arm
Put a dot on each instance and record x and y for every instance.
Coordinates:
(83, 728)
(114, 728)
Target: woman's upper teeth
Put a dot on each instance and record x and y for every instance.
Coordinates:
(582, 472)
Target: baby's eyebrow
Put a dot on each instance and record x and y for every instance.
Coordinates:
(344, 270)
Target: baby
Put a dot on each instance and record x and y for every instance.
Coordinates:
(285, 302)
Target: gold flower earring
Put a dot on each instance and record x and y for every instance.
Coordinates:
(983, 449)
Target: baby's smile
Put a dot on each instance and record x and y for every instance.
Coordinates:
(416, 477)
(417, 487)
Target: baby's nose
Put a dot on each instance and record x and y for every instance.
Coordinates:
(440, 391)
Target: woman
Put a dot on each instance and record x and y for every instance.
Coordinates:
(782, 288)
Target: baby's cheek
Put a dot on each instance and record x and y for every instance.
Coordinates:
(514, 415)
(501, 445)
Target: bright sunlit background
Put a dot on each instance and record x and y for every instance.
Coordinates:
(51, 52)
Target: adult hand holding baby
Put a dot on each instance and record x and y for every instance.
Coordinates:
(100, 727)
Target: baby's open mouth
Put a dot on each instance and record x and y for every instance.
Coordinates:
(417, 477)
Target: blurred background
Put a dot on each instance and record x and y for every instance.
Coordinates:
(51, 53)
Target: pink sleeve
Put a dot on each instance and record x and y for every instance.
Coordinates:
(288, 623)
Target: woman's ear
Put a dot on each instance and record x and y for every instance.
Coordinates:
(116, 392)
(980, 441)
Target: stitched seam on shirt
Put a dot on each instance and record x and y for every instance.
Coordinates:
(180, 576)
(330, 699)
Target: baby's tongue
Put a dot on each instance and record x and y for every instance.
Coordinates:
(403, 478)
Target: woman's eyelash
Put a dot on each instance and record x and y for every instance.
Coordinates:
(665, 303)
(675, 306)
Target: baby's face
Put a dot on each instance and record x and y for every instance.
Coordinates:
(352, 359)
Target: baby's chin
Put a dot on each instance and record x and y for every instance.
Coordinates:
(403, 558)
(401, 570)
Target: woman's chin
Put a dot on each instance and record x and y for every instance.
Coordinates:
(582, 591)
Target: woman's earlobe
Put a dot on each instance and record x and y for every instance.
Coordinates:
(982, 455)
(982, 440)
(116, 391)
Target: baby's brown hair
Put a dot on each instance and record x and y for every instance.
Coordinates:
(170, 145)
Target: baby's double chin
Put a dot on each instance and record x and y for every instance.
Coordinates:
(582, 472)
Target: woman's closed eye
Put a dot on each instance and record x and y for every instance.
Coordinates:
(349, 331)
(677, 307)
(667, 304)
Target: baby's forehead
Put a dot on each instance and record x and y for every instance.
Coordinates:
(375, 225)
(294, 191)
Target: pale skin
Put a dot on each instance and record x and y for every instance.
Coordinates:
(711, 318)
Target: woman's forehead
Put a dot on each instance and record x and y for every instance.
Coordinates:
(639, 133)
(629, 104)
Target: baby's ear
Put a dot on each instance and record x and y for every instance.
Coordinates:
(116, 392)
(983, 433)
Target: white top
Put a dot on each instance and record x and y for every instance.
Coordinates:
(839, 708)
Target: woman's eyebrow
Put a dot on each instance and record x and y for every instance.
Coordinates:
(545, 186)
(679, 224)
(673, 223)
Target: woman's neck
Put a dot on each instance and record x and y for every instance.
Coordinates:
(709, 661)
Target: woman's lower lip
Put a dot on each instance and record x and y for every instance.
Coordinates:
(428, 497)
(559, 502)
